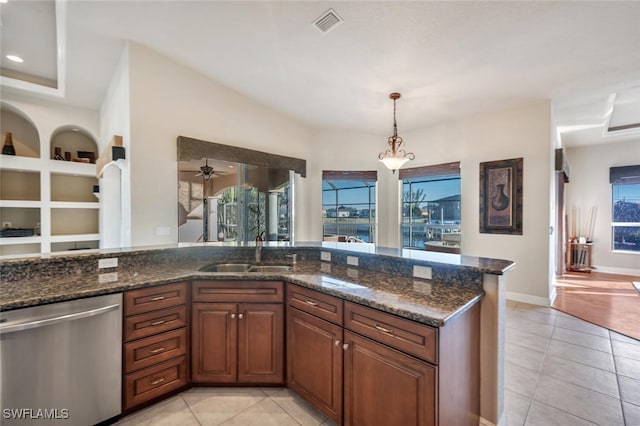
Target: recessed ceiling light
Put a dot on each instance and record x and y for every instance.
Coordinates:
(15, 58)
(4, 1)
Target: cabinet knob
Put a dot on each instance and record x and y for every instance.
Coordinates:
(240, 316)
(233, 316)
(337, 342)
(345, 346)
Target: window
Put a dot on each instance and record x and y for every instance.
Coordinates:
(625, 223)
(349, 206)
(431, 207)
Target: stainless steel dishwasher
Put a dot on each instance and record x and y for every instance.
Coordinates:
(62, 363)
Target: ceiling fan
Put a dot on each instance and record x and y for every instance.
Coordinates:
(206, 171)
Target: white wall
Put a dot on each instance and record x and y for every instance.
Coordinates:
(589, 186)
(168, 100)
(519, 132)
(115, 189)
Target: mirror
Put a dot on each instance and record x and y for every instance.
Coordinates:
(220, 199)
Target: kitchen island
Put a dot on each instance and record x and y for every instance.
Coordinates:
(386, 280)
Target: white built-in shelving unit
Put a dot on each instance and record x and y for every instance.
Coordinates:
(36, 189)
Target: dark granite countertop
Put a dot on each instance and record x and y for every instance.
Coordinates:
(428, 302)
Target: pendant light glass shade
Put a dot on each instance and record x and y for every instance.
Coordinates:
(395, 156)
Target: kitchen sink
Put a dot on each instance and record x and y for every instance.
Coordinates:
(226, 267)
(270, 268)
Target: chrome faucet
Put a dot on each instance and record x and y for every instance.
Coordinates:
(259, 241)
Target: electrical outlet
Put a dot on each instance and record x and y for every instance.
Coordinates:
(6, 225)
(325, 256)
(110, 277)
(111, 262)
(352, 260)
(423, 272)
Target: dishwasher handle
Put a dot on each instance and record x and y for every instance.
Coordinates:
(55, 320)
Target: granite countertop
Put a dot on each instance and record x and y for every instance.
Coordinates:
(428, 302)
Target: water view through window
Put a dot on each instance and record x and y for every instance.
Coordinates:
(348, 207)
(626, 217)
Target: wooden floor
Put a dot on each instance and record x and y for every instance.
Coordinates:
(607, 300)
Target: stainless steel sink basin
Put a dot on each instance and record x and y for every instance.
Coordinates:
(269, 268)
(226, 267)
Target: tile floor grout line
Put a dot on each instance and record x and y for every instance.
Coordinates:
(189, 407)
(538, 374)
(615, 367)
(286, 411)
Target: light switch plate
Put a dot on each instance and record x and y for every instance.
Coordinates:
(423, 272)
(352, 260)
(325, 256)
(111, 262)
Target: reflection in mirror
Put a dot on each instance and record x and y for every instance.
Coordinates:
(225, 201)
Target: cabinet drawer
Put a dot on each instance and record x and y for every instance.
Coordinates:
(155, 381)
(316, 303)
(405, 335)
(155, 349)
(154, 298)
(237, 291)
(144, 325)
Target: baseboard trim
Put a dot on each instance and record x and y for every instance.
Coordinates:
(532, 300)
(619, 271)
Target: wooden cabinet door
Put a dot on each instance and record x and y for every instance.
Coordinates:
(314, 361)
(214, 343)
(383, 386)
(260, 343)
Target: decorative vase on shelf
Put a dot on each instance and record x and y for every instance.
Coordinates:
(8, 148)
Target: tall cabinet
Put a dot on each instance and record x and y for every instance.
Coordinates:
(47, 204)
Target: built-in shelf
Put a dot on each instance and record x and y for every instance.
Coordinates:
(39, 192)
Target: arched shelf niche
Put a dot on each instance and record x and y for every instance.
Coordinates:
(26, 139)
(73, 143)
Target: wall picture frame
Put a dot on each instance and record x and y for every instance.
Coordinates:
(501, 196)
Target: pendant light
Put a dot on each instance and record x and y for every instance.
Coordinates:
(395, 156)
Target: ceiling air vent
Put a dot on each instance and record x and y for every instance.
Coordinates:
(327, 21)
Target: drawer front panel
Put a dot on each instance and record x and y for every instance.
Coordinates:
(405, 335)
(237, 291)
(319, 304)
(144, 325)
(153, 382)
(152, 350)
(154, 298)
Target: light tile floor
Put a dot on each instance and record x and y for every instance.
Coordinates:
(560, 370)
(563, 371)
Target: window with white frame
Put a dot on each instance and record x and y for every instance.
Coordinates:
(349, 206)
(625, 221)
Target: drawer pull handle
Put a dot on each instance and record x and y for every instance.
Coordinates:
(309, 302)
(162, 321)
(155, 299)
(240, 316)
(158, 381)
(384, 330)
(157, 351)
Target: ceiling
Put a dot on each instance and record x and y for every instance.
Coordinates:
(448, 59)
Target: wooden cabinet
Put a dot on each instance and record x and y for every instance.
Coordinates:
(314, 361)
(236, 342)
(155, 343)
(383, 386)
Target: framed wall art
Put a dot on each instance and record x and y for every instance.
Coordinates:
(501, 197)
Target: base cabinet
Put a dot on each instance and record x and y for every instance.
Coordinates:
(237, 342)
(383, 386)
(314, 361)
